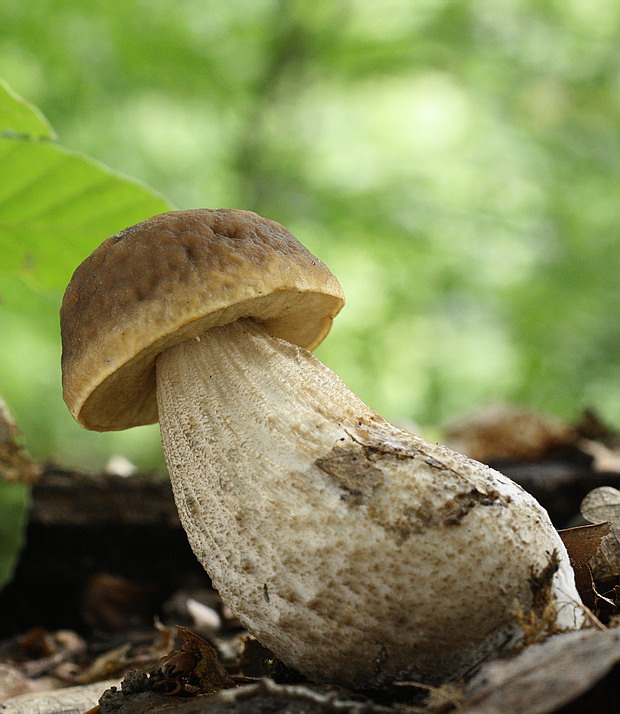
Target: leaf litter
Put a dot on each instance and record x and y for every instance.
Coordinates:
(549, 670)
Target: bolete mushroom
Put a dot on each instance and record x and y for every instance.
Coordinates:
(356, 551)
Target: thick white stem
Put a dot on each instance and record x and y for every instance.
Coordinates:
(356, 551)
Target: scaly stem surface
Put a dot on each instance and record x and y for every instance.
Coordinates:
(354, 550)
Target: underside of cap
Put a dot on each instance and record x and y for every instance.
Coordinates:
(169, 279)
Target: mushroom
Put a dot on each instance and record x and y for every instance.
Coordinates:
(357, 552)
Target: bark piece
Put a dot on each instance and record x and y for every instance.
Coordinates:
(544, 676)
(71, 700)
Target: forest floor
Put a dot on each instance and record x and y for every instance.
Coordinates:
(108, 590)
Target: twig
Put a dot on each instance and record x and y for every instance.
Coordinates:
(329, 701)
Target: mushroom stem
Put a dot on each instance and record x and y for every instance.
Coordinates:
(355, 551)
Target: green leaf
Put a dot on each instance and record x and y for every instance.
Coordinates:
(14, 499)
(19, 117)
(56, 206)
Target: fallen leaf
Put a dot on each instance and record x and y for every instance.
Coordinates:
(582, 543)
(544, 676)
(49, 650)
(194, 669)
(209, 671)
(118, 661)
(603, 504)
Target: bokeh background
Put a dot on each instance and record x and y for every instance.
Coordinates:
(455, 162)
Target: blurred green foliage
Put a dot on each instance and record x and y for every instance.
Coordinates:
(54, 206)
(455, 162)
(14, 499)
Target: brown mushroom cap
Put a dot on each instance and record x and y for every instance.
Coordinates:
(169, 279)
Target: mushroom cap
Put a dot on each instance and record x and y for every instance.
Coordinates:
(168, 279)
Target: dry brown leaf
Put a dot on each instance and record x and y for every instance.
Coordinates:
(544, 676)
(209, 671)
(194, 669)
(582, 543)
(603, 504)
